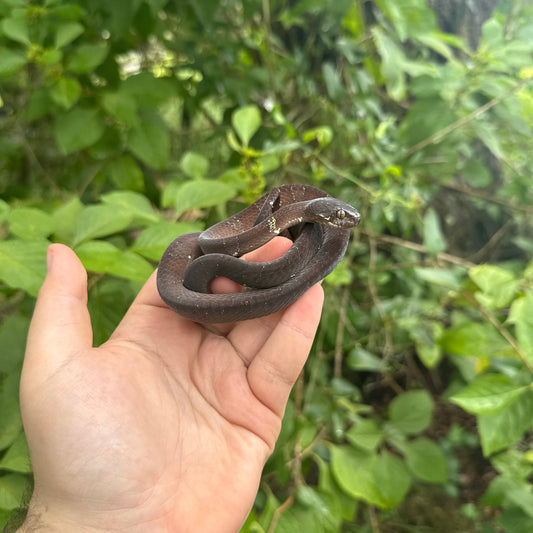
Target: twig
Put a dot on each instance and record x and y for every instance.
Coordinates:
(277, 513)
(439, 135)
(448, 258)
(485, 196)
(501, 329)
(339, 338)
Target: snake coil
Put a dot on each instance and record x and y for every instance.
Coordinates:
(319, 226)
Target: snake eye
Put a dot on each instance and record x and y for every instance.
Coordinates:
(341, 213)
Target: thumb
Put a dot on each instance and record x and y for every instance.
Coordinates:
(61, 324)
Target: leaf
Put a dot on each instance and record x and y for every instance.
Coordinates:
(354, 472)
(392, 57)
(87, 57)
(150, 142)
(506, 427)
(200, 194)
(488, 393)
(411, 412)
(522, 316)
(17, 457)
(100, 256)
(474, 339)
(13, 333)
(125, 173)
(439, 276)
(246, 121)
(101, 220)
(361, 359)
(122, 107)
(365, 434)
(11, 62)
(10, 421)
(78, 129)
(154, 240)
(434, 241)
(392, 479)
(334, 86)
(498, 286)
(65, 219)
(426, 460)
(12, 489)
(135, 204)
(65, 92)
(30, 223)
(322, 134)
(194, 165)
(23, 264)
(109, 299)
(68, 32)
(16, 29)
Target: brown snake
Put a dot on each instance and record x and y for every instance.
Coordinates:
(318, 224)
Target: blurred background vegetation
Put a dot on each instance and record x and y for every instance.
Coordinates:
(127, 122)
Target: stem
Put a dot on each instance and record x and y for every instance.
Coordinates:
(439, 135)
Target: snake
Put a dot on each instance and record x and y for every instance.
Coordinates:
(318, 224)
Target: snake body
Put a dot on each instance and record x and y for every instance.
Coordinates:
(318, 224)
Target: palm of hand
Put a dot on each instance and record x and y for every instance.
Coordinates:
(168, 425)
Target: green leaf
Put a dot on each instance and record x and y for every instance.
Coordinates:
(68, 32)
(474, 339)
(498, 286)
(392, 57)
(122, 107)
(365, 434)
(16, 29)
(354, 471)
(488, 393)
(17, 457)
(411, 412)
(246, 121)
(87, 57)
(434, 241)
(66, 92)
(11, 61)
(101, 220)
(150, 142)
(135, 204)
(30, 223)
(100, 256)
(426, 460)
(154, 240)
(194, 165)
(503, 429)
(200, 194)
(322, 134)
(361, 359)
(522, 316)
(65, 219)
(78, 129)
(125, 173)
(13, 333)
(12, 488)
(23, 264)
(10, 421)
(392, 479)
(334, 85)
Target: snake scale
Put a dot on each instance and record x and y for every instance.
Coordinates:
(318, 224)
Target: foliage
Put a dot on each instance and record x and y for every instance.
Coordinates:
(128, 123)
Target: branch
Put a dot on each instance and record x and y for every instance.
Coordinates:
(439, 135)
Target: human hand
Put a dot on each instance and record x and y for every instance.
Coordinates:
(166, 426)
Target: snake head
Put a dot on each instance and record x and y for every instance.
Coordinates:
(333, 212)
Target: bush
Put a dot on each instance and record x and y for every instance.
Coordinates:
(128, 123)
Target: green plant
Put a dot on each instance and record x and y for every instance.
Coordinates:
(128, 123)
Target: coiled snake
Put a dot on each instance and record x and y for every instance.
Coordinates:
(318, 224)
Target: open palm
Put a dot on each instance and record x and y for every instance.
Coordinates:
(165, 427)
